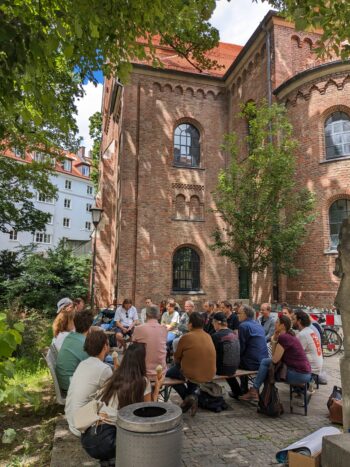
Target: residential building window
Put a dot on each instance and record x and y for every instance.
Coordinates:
(88, 206)
(186, 270)
(66, 222)
(42, 237)
(67, 165)
(85, 170)
(89, 190)
(50, 221)
(40, 157)
(87, 225)
(337, 135)
(186, 146)
(67, 203)
(13, 235)
(18, 152)
(338, 211)
(44, 199)
(68, 185)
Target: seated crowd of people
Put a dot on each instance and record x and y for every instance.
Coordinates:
(216, 341)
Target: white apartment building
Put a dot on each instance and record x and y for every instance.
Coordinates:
(70, 212)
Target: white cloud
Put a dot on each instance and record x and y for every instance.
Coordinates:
(87, 106)
(237, 20)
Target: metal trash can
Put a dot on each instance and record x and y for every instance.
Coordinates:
(149, 434)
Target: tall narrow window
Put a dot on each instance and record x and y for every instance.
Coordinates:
(195, 208)
(13, 235)
(66, 222)
(180, 207)
(338, 211)
(67, 165)
(186, 146)
(68, 185)
(337, 135)
(186, 270)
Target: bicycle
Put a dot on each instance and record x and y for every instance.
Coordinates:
(331, 341)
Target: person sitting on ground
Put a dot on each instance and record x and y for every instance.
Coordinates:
(63, 302)
(170, 319)
(309, 340)
(195, 361)
(154, 336)
(79, 304)
(63, 325)
(267, 321)
(232, 318)
(253, 348)
(72, 351)
(226, 344)
(128, 385)
(182, 327)
(208, 315)
(148, 302)
(287, 348)
(89, 376)
(126, 318)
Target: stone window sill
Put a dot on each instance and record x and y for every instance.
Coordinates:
(187, 220)
(190, 292)
(336, 159)
(330, 252)
(176, 166)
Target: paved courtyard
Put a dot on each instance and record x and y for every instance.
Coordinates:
(236, 437)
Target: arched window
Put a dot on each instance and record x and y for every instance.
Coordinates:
(337, 134)
(338, 211)
(186, 269)
(180, 207)
(195, 208)
(186, 145)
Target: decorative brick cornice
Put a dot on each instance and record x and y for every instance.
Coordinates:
(183, 186)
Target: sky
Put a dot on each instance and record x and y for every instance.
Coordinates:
(236, 21)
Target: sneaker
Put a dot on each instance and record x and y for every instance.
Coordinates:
(251, 395)
(186, 404)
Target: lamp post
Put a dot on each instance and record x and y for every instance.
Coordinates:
(96, 214)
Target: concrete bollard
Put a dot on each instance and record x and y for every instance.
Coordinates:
(149, 434)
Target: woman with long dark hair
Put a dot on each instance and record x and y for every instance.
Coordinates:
(127, 385)
(287, 348)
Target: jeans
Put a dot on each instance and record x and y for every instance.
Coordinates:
(293, 377)
(183, 390)
(176, 343)
(171, 336)
(100, 441)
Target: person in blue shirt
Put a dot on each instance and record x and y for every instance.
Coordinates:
(253, 348)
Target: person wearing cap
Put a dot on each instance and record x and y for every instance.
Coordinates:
(63, 302)
(226, 344)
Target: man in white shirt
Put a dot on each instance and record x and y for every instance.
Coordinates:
(309, 340)
(148, 303)
(89, 376)
(125, 318)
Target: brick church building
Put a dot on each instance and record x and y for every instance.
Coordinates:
(161, 155)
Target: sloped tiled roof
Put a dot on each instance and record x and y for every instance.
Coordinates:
(224, 54)
(74, 158)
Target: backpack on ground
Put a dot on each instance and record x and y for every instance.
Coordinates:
(269, 401)
(210, 397)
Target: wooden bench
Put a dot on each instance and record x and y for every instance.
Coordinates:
(169, 382)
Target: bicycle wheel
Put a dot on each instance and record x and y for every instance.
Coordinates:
(331, 343)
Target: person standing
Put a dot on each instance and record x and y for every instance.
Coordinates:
(154, 336)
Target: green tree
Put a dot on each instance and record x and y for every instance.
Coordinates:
(45, 278)
(49, 48)
(333, 17)
(95, 131)
(265, 214)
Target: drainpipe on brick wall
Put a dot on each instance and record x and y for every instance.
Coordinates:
(136, 187)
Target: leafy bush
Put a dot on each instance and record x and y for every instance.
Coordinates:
(39, 280)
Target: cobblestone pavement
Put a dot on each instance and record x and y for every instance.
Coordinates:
(240, 436)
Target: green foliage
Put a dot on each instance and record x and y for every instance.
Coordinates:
(95, 131)
(264, 213)
(332, 17)
(19, 183)
(44, 278)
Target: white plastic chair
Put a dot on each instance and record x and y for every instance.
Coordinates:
(51, 358)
